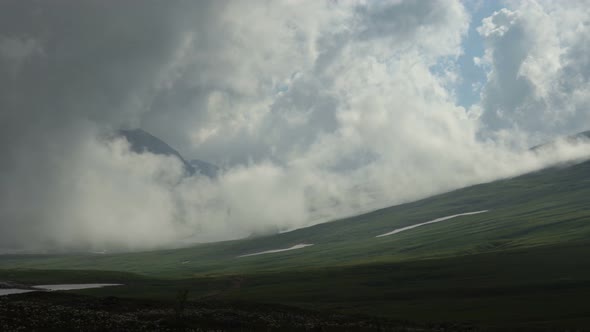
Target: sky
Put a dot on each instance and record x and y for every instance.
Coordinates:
(473, 76)
(315, 110)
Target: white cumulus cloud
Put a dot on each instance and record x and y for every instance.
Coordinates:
(315, 109)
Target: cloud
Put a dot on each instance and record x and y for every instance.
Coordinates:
(316, 110)
(538, 78)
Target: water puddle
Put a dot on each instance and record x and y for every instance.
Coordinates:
(9, 291)
(59, 287)
(63, 287)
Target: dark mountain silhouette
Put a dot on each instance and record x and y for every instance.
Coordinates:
(205, 168)
(142, 141)
(585, 135)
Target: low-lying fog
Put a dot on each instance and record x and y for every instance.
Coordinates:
(314, 110)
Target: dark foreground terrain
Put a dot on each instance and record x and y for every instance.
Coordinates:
(60, 311)
(534, 289)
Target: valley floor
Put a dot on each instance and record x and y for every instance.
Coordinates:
(534, 289)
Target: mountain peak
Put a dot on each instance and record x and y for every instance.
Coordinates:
(141, 141)
(584, 135)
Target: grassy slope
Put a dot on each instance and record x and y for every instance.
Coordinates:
(545, 286)
(537, 209)
(522, 263)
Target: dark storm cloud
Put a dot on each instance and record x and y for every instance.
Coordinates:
(71, 69)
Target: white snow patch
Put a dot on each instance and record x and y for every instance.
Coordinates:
(430, 222)
(297, 246)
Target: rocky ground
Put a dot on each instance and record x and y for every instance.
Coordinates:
(55, 311)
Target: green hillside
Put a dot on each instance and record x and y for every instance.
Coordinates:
(521, 264)
(543, 208)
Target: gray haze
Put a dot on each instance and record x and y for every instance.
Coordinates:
(315, 109)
